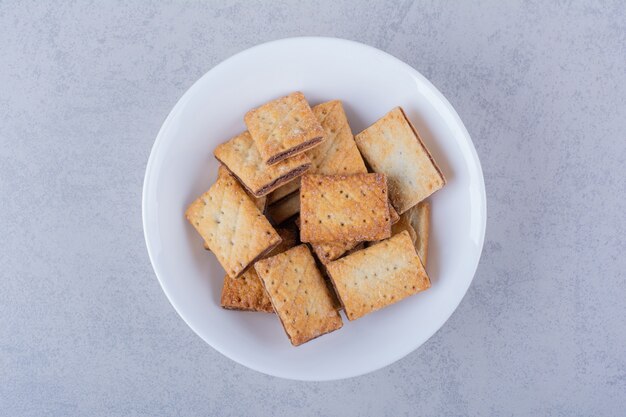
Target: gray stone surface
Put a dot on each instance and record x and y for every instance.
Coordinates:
(85, 329)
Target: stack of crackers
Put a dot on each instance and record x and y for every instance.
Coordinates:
(307, 219)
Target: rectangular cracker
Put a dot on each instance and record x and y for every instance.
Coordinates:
(299, 294)
(260, 202)
(378, 276)
(283, 191)
(344, 208)
(283, 128)
(231, 225)
(243, 160)
(284, 209)
(338, 153)
(246, 293)
(392, 146)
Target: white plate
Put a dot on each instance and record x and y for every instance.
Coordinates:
(181, 167)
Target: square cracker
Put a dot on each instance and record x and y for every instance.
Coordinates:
(344, 208)
(247, 293)
(284, 127)
(382, 274)
(231, 225)
(299, 294)
(392, 146)
(283, 191)
(338, 153)
(284, 209)
(243, 160)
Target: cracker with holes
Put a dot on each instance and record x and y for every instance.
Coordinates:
(231, 225)
(392, 146)
(338, 153)
(283, 128)
(380, 275)
(416, 221)
(299, 294)
(246, 292)
(327, 252)
(260, 202)
(241, 157)
(284, 209)
(344, 208)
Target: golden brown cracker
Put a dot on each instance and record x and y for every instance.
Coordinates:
(299, 294)
(380, 275)
(338, 153)
(231, 225)
(392, 146)
(283, 128)
(243, 160)
(344, 208)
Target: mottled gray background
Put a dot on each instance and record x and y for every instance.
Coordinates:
(85, 329)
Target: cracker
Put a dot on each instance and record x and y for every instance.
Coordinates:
(338, 153)
(378, 276)
(284, 209)
(243, 160)
(393, 215)
(231, 225)
(283, 128)
(344, 208)
(299, 294)
(419, 218)
(283, 191)
(392, 146)
(259, 202)
(246, 292)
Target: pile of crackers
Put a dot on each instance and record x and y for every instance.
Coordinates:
(307, 219)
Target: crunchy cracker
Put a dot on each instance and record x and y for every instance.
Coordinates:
(246, 292)
(378, 276)
(284, 209)
(231, 225)
(299, 294)
(284, 127)
(338, 153)
(392, 146)
(344, 208)
(243, 160)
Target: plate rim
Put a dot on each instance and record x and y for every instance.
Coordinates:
(384, 55)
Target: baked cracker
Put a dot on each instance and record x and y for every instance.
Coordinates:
(246, 292)
(344, 208)
(338, 153)
(231, 225)
(284, 209)
(392, 146)
(243, 160)
(299, 294)
(283, 128)
(378, 276)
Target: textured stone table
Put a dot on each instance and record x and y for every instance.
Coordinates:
(85, 329)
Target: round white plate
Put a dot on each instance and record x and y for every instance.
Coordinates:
(181, 167)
